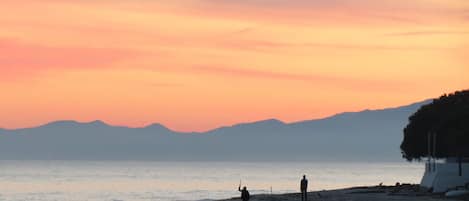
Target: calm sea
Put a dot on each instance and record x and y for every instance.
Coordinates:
(139, 181)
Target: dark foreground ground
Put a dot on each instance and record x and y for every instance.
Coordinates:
(376, 193)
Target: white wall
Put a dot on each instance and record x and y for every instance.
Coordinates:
(445, 176)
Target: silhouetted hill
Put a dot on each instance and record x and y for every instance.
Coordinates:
(366, 135)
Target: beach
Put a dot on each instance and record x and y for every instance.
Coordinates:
(375, 193)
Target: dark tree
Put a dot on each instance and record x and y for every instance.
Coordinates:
(448, 118)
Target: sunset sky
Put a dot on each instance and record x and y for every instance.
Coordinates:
(194, 65)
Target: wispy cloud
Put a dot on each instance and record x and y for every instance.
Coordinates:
(316, 80)
(433, 32)
(16, 55)
(337, 11)
(164, 84)
(260, 45)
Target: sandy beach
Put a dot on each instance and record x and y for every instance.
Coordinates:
(375, 193)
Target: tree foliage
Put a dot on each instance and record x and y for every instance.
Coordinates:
(448, 117)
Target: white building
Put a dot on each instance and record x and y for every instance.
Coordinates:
(442, 176)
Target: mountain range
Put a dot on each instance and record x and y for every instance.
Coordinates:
(369, 135)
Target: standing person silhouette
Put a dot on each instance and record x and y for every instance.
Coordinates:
(244, 193)
(304, 188)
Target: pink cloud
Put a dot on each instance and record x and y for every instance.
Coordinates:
(21, 57)
(309, 12)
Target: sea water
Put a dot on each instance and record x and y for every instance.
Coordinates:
(145, 181)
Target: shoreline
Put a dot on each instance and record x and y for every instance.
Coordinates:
(404, 192)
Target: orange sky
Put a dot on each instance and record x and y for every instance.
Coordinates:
(194, 65)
